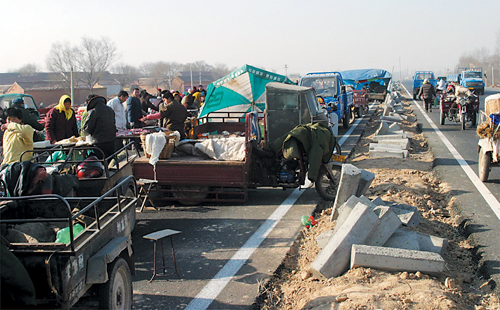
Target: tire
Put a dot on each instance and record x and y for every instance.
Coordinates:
(325, 186)
(484, 165)
(442, 118)
(464, 120)
(202, 194)
(346, 120)
(116, 294)
(336, 149)
(128, 189)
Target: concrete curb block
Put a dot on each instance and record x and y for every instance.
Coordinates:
(396, 259)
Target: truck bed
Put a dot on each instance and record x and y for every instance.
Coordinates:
(192, 170)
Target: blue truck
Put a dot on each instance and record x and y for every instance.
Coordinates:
(418, 79)
(471, 78)
(331, 87)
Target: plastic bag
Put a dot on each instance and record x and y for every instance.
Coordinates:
(63, 234)
(56, 156)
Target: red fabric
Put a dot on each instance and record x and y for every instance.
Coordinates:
(153, 116)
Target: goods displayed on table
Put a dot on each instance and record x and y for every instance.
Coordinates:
(138, 131)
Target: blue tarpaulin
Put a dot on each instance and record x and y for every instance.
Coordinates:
(360, 77)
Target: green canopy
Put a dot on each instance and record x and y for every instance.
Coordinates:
(240, 90)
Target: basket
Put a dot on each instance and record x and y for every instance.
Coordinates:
(167, 151)
(492, 106)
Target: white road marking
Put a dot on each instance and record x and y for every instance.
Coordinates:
(208, 294)
(483, 190)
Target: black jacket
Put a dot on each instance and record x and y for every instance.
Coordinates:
(100, 122)
(427, 91)
(29, 119)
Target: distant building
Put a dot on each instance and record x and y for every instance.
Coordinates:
(112, 85)
(49, 92)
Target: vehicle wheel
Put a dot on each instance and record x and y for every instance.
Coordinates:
(336, 149)
(357, 112)
(190, 192)
(117, 292)
(463, 118)
(325, 185)
(442, 117)
(474, 119)
(346, 120)
(484, 165)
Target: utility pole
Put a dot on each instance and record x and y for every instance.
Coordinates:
(286, 70)
(72, 88)
(191, 70)
(400, 69)
(492, 77)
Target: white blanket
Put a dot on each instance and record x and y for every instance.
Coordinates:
(223, 148)
(154, 145)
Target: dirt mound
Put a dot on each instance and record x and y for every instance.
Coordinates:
(409, 181)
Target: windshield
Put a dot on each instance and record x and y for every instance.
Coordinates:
(472, 74)
(6, 101)
(425, 75)
(324, 86)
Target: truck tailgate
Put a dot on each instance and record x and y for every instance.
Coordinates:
(192, 170)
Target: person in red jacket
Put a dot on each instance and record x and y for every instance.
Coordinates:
(61, 121)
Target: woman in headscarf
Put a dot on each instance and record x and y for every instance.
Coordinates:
(60, 122)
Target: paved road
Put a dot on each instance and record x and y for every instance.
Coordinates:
(483, 215)
(225, 251)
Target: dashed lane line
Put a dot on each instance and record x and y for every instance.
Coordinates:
(208, 294)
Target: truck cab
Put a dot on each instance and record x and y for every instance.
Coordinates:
(288, 106)
(472, 78)
(418, 79)
(331, 87)
(29, 103)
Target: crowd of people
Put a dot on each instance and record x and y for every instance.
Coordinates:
(100, 120)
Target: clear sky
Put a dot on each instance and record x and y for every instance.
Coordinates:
(305, 35)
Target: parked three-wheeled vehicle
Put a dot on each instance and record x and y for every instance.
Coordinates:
(461, 107)
(489, 132)
(71, 249)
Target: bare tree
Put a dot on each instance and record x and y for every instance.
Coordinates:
(197, 66)
(61, 60)
(165, 72)
(94, 58)
(90, 60)
(126, 74)
(62, 57)
(221, 69)
(28, 69)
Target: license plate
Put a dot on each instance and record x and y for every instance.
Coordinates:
(340, 158)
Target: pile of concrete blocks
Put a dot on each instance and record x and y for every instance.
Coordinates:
(390, 141)
(372, 234)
